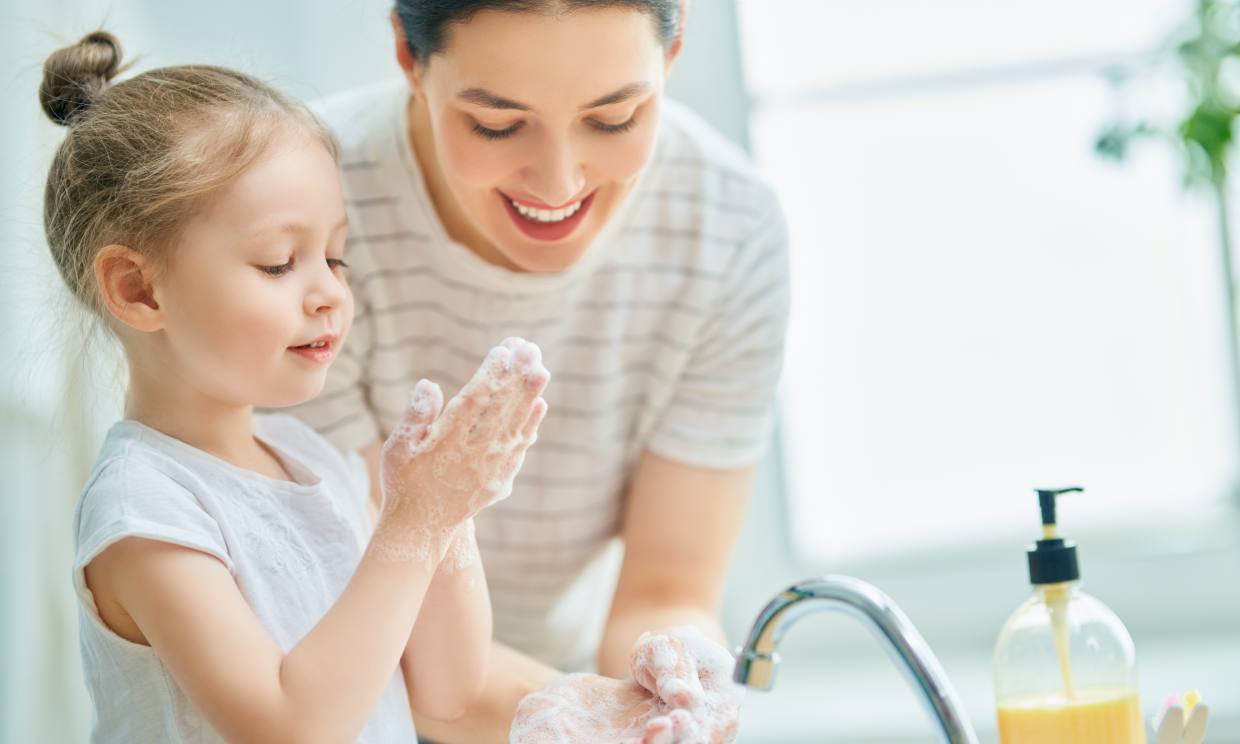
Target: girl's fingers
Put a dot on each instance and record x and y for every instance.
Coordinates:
(518, 414)
(529, 430)
(533, 377)
(425, 405)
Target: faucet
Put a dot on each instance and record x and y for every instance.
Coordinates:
(756, 659)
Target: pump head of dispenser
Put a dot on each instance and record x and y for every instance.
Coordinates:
(1052, 560)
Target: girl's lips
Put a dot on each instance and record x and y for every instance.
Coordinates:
(317, 354)
(546, 231)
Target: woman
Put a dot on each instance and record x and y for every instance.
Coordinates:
(528, 178)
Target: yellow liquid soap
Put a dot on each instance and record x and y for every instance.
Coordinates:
(1090, 717)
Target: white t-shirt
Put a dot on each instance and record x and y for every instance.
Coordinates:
(667, 336)
(291, 546)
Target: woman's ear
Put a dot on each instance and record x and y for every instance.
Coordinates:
(124, 279)
(673, 51)
(404, 56)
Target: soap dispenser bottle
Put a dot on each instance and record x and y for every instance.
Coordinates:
(1064, 665)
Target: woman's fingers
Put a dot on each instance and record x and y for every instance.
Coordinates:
(661, 665)
(658, 731)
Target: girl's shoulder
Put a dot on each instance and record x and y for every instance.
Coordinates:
(143, 484)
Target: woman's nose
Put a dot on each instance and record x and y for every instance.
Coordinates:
(555, 177)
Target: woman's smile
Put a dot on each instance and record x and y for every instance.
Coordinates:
(543, 223)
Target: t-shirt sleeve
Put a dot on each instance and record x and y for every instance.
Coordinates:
(342, 413)
(129, 498)
(720, 413)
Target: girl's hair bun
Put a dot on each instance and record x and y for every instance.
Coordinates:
(75, 75)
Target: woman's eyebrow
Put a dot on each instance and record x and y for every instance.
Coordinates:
(487, 99)
(631, 90)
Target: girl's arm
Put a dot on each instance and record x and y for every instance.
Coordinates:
(188, 608)
(446, 658)
(445, 661)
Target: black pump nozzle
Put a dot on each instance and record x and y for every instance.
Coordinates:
(1046, 499)
(1053, 560)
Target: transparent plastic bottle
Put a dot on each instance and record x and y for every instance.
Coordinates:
(1064, 665)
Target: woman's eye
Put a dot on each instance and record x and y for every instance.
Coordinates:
(278, 270)
(496, 133)
(337, 263)
(615, 128)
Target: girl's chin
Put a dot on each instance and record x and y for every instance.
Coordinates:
(292, 396)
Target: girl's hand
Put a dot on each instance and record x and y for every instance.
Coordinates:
(442, 465)
(689, 672)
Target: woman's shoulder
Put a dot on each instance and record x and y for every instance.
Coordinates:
(692, 154)
(361, 117)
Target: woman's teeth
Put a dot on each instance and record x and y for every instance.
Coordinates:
(547, 215)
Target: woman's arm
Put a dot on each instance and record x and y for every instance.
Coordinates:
(680, 524)
(510, 676)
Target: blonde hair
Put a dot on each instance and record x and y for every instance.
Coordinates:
(144, 155)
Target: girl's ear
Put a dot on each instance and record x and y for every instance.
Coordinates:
(404, 57)
(124, 279)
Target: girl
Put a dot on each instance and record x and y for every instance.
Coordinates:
(232, 585)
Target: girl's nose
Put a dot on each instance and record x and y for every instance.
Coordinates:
(327, 292)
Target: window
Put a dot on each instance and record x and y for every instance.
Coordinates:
(981, 304)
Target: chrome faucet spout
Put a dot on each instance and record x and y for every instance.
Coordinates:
(757, 658)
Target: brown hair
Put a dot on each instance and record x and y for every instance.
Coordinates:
(144, 155)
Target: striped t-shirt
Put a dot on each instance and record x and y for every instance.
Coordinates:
(666, 336)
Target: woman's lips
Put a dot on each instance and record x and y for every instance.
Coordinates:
(546, 231)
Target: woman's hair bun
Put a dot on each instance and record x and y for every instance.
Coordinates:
(75, 75)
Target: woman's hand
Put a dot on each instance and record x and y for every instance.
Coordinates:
(589, 709)
(681, 693)
(442, 465)
(689, 672)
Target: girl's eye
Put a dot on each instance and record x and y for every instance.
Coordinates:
(495, 134)
(615, 128)
(337, 263)
(278, 270)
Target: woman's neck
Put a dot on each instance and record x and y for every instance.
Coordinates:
(159, 398)
(455, 222)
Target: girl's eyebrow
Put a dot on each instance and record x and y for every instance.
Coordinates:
(487, 99)
(295, 226)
